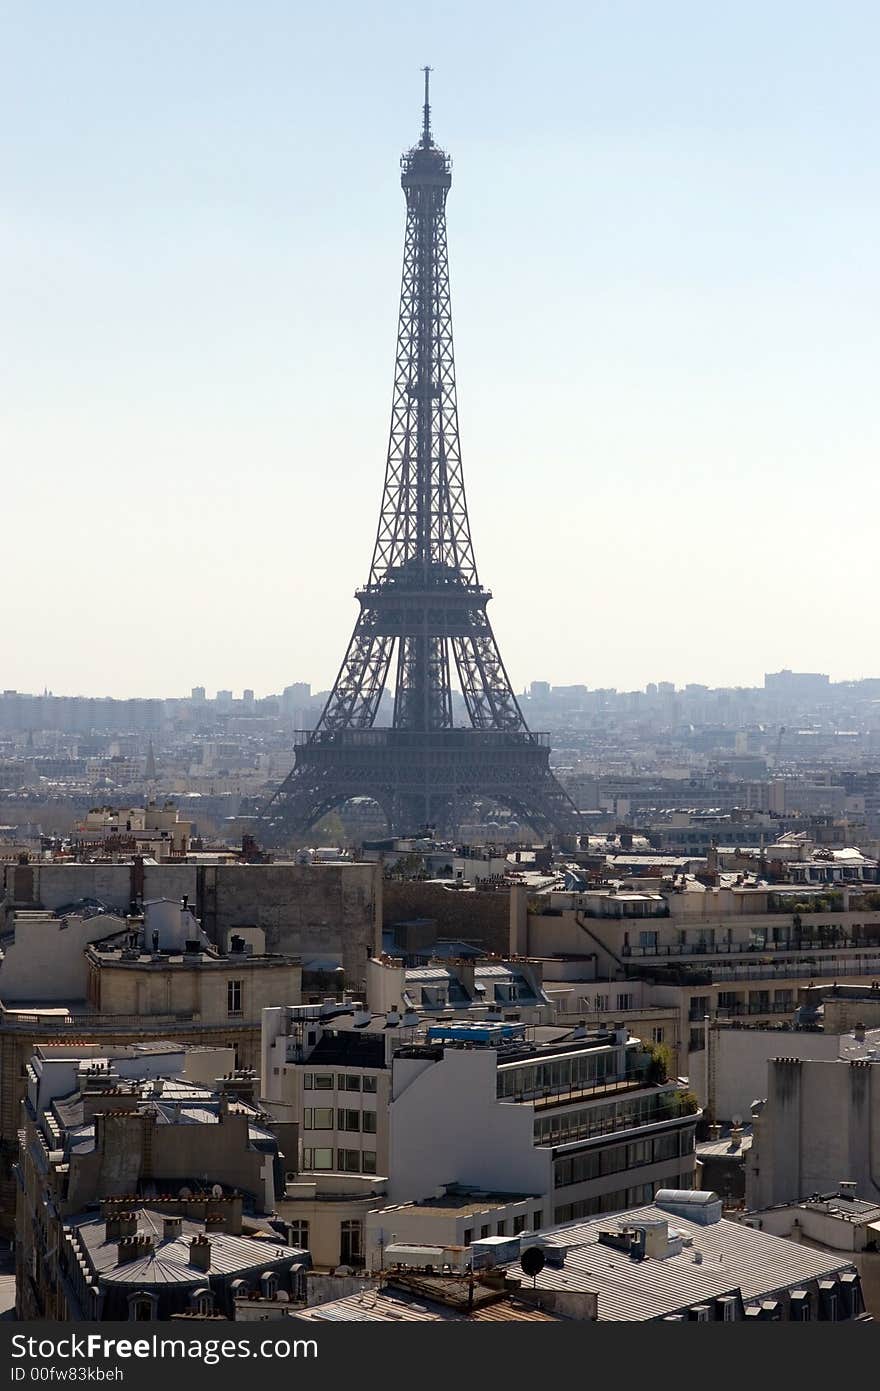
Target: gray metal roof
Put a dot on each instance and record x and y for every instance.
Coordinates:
(734, 1257)
(168, 1263)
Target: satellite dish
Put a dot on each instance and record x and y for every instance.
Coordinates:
(532, 1261)
(217, 1191)
(184, 1192)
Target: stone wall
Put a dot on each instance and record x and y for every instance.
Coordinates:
(330, 911)
(481, 917)
(306, 910)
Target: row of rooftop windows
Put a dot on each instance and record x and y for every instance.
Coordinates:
(321, 1118)
(622, 1198)
(614, 1159)
(576, 1072)
(560, 1128)
(328, 1082)
(348, 1161)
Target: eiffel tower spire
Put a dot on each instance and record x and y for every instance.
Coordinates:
(423, 606)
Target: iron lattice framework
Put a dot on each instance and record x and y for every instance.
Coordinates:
(423, 598)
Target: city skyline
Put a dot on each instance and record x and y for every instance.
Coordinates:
(663, 368)
(238, 692)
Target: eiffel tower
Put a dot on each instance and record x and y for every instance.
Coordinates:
(423, 599)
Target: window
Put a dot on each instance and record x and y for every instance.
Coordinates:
(656, 1035)
(323, 1081)
(625, 1000)
(142, 1307)
(519, 1224)
(299, 1234)
(368, 1122)
(318, 1118)
(202, 1302)
(350, 1084)
(601, 1003)
(368, 1161)
(351, 1243)
(485, 1231)
(233, 997)
(467, 1236)
(648, 941)
(308, 1081)
(537, 1219)
(501, 1229)
(578, 1168)
(368, 1084)
(348, 1120)
(317, 1158)
(348, 1161)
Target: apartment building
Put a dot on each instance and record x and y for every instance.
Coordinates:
(674, 1260)
(819, 1125)
(736, 951)
(569, 1122)
(97, 1128)
(155, 977)
(459, 986)
(678, 1260)
(139, 1262)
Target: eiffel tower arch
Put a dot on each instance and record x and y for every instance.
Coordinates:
(423, 612)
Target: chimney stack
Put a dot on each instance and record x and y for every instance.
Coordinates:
(172, 1228)
(132, 1248)
(200, 1252)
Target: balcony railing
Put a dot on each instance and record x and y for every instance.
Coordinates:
(749, 1009)
(82, 1024)
(800, 943)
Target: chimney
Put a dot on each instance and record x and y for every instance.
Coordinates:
(200, 1253)
(172, 1228)
(715, 1132)
(125, 1224)
(133, 1248)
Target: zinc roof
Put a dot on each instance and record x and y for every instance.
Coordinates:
(734, 1257)
(168, 1263)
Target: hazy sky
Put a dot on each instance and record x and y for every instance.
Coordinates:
(664, 228)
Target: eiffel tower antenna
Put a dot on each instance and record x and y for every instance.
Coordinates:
(426, 110)
(423, 607)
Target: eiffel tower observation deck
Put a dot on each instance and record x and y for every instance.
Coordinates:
(423, 607)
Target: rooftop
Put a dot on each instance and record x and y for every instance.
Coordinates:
(461, 1203)
(427, 1300)
(168, 1262)
(714, 1259)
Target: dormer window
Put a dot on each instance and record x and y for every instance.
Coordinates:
(201, 1301)
(142, 1307)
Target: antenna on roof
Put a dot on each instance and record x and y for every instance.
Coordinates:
(426, 110)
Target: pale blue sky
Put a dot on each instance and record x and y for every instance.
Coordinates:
(663, 227)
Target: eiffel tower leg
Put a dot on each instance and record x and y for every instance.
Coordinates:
(485, 685)
(354, 701)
